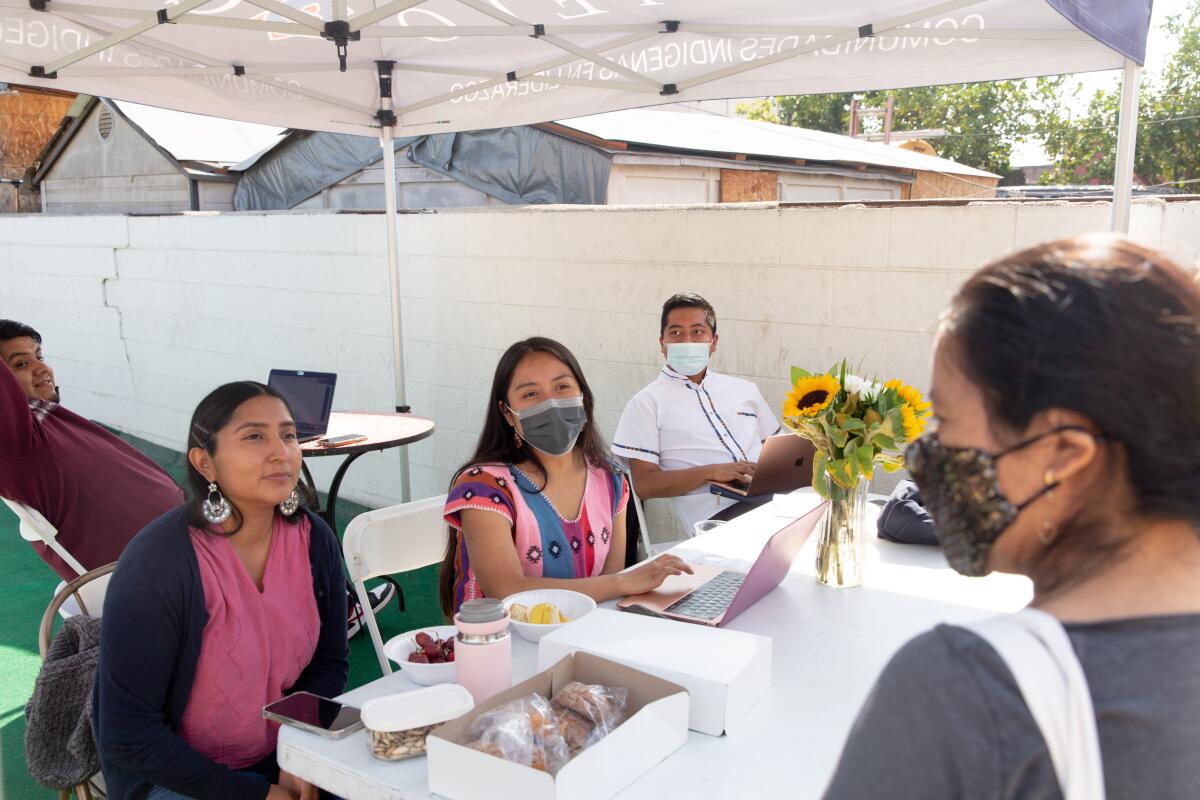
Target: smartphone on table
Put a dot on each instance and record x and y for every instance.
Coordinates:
(315, 714)
(338, 441)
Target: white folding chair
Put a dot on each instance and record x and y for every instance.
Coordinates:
(390, 540)
(36, 528)
(86, 593)
(652, 548)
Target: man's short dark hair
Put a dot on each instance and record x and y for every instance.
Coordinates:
(11, 329)
(687, 300)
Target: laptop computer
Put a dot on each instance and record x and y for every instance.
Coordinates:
(714, 596)
(784, 465)
(310, 397)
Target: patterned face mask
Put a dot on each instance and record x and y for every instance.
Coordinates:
(958, 487)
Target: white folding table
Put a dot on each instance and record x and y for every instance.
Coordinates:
(829, 647)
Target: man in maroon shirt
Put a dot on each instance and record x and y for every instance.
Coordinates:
(94, 488)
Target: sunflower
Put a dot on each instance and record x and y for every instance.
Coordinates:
(810, 396)
(909, 396)
(912, 424)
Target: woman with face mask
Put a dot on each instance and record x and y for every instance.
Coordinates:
(1065, 447)
(541, 504)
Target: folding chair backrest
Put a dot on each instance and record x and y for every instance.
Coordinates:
(87, 590)
(36, 528)
(643, 528)
(395, 539)
(651, 548)
(390, 540)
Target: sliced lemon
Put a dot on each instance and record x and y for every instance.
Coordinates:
(541, 613)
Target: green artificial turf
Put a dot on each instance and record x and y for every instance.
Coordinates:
(27, 585)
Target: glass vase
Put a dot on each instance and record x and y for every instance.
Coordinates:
(842, 538)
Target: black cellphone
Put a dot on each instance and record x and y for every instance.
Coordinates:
(316, 714)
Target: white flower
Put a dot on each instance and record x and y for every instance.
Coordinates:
(865, 389)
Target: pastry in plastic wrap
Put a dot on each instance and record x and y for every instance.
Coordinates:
(523, 731)
(602, 706)
(576, 731)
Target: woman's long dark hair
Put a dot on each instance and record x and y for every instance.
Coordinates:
(211, 415)
(497, 445)
(1108, 329)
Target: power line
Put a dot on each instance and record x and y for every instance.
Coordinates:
(1014, 134)
(1172, 183)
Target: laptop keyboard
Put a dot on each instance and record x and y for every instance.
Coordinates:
(712, 598)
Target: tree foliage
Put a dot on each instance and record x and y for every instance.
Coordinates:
(1168, 142)
(983, 120)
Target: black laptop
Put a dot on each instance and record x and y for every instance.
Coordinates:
(309, 395)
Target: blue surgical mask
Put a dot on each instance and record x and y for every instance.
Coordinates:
(688, 358)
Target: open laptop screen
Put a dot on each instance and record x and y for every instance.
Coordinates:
(309, 395)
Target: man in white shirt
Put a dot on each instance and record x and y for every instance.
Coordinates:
(692, 425)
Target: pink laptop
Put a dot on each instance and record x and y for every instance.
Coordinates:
(714, 596)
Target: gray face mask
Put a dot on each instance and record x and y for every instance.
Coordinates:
(554, 425)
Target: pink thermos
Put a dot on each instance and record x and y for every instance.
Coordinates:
(483, 652)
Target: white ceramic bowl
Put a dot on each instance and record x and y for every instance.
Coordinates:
(573, 604)
(398, 647)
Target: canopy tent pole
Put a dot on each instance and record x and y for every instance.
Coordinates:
(1126, 142)
(387, 120)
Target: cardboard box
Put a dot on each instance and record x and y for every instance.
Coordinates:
(656, 727)
(724, 671)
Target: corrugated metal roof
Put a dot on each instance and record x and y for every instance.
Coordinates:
(717, 134)
(193, 137)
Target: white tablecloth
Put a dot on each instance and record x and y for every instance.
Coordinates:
(829, 646)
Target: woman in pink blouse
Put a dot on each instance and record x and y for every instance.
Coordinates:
(216, 609)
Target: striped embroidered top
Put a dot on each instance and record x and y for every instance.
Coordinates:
(549, 544)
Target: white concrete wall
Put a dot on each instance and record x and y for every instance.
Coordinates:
(143, 315)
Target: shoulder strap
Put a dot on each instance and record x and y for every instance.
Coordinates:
(1038, 653)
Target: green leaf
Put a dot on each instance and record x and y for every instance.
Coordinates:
(798, 373)
(839, 437)
(821, 474)
(852, 424)
(866, 460)
(885, 442)
(838, 470)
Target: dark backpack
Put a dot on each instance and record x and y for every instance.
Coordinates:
(904, 519)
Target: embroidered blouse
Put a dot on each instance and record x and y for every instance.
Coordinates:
(549, 544)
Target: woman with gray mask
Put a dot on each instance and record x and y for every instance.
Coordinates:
(1065, 446)
(541, 505)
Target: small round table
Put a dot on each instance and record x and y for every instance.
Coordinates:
(383, 431)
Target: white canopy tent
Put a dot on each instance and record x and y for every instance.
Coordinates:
(435, 66)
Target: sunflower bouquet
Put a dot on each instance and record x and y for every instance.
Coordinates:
(854, 423)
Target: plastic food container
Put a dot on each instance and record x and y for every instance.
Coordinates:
(397, 724)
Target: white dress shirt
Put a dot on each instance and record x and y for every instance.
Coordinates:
(677, 424)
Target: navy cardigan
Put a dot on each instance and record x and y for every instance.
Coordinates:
(154, 620)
